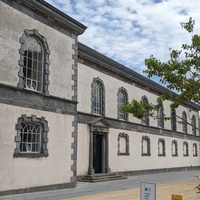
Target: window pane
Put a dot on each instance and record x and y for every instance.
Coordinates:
(39, 76)
(35, 63)
(39, 56)
(40, 67)
(39, 86)
(35, 55)
(34, 75)
(30, 54)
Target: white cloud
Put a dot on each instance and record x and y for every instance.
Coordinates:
(131, 30)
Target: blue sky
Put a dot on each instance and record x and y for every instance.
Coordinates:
(129, 31)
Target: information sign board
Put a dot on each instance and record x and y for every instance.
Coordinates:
(147, 191)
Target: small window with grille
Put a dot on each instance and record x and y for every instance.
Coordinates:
(146, 148)
(31, 139)
(174, 148)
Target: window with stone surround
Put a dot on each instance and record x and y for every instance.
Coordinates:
(161, 147)
(161, 117)
(122, 99)
(98, 97)
(185, 149)
(146, 146)
(173, 119)
(195, 150)
(145, 119)
(123, 144)
(193, 122)
(174, 148)
(184, 122)
(31, 139)
(34, 62)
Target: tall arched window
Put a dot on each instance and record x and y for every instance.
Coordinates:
(34, 62)
(122, 99)
(184, 123)
(193, 125)
(145, 119)
(98, 99)
(161, 117)
(173, 119)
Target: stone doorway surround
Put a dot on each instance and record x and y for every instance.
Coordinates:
(100, 126)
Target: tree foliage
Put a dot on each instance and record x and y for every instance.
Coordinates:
(181, 73)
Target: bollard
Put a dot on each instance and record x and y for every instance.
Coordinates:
(176, 197)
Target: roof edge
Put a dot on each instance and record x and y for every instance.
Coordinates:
(49, 13)
(114, 66)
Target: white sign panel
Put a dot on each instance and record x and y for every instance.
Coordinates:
(147, 191)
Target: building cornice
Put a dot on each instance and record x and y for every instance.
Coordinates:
(48, 14)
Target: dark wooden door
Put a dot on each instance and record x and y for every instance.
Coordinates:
(97, 153)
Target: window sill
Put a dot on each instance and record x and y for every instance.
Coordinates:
(161, 155)
(123, 154)
(30, 155)
(146, 154)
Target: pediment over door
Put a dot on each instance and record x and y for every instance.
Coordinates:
(99, 124)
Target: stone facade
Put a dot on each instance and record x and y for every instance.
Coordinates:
(52, 124)
(150, 147)
(38, 127)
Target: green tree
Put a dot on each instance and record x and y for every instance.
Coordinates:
(181, 73)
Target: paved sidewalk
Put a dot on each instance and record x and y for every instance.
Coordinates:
(167, 183)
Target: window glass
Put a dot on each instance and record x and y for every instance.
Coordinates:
(31, 138)
(122, 100)
(97, 98)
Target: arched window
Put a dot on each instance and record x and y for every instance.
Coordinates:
(185, 149)
(195, 149)
(123, 144)
(31, 139)
(34, 62)
(173, 119)
(193, 125)
(98, 99)
(161, 147)
(174, 148)
(145, 119)
(146, 148)
(184, 123)
(161, 117)
(122, 99)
